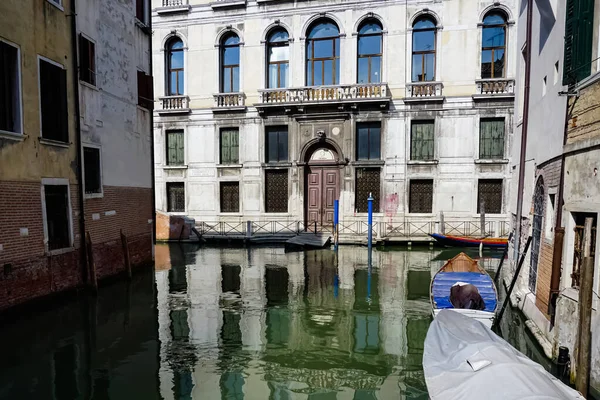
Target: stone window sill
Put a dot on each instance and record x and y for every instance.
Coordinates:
(17, 137)
(491, 161)
(175, 167)
(229, 166)
(423, 162)
(368, 163)
(94, 195)
(55, 143)
(284, 164)
(60, 251)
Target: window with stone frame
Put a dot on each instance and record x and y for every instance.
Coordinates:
(175, 148)
(276, 144)
(87, 60)
(175, 197)
(230, 197)
(489, 193)
(10, 88)
(230, 63)
(323, 54)
(423, 49)
(92, 169)
(230, 146)
(53, 100)
(491, 138)
(368, 141)
(276, 190)
(422, 135)
(370, 51)
(493, 45)
(368, 182)
(420, 196)
(58, 224)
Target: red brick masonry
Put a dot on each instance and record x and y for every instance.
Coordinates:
(28, 272)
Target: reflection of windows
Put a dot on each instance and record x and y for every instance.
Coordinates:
(232, 384)
(370, 50)
(368, 141)
(278, 59)
(277, 279)
(230, 63)
(323, 54)
(423, 50)
(366, 334)
(422, 135)
(65, 373)
(278, 325)
(368, 181)
(493, 46)
(491, 138)
(230, 281)
(180, 329)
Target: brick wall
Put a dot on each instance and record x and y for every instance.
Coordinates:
(585, 118)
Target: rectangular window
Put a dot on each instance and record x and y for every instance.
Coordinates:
(489, 194)
(87, 60)
(57, 2)
(175, 197)
(491, 138)
(53, 98)
(368, 141)
(145, 90)
(175, 146)
(92, 168)
(230, 197)
(368, 181)
(421, 140)
(277, 144)
(58, 223)
(230, 147)
(276, 191)
(141, 11)
(420, 196)
(10, 89)
(579, 36)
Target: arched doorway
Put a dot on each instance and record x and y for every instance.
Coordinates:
(322, 185)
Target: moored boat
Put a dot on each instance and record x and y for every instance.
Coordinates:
(463, 286)
(463, 359)
(469, 241)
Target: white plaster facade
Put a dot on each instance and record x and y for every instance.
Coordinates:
(457, 106)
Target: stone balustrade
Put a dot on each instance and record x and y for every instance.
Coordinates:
(174, 104)
(490, 87)
(424, 89)
(229, 100)
(318, 94)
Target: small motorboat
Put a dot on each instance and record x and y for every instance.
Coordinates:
(463, 359)
(469, 241)
(463, 286)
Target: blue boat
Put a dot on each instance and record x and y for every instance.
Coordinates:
(464, 272)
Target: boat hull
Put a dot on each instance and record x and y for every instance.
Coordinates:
(464, 241)
(485, 317)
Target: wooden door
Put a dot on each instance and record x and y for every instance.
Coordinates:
(322, 189)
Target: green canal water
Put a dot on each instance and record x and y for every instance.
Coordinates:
(237, 323)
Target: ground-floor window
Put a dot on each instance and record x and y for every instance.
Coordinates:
(420, 196)
(276, 191)
(175, 197)
(368, 181)
(92, 169)
(230, 196)
(579, 243)
(58, 223)
(489, 193)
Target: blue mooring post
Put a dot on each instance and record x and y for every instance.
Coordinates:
(336, 219)
(370, 227)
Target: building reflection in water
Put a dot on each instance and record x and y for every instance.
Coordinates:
(262, 323)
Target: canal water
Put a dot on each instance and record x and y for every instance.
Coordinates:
(238, 323)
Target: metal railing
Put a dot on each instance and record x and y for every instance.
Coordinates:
(277, 227)
(357, 228)
(410, 229)
(332, 93)
(466, 228)
(222, 228)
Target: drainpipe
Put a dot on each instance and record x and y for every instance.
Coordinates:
(152, 172)
(524, 130)
(83, 244)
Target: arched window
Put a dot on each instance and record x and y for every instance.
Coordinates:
(278, 58)
(423, 50)
(230, 63)
(370, 51)
(493, 46)
(323, 54)
(175, 67)
(538, 217)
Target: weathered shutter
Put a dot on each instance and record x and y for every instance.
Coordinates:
(585, 39)
(570, 31)
(235, 147)
(63, 117)
(149, 81)
(141, 88)
(180, 148)
(139, 10)
(225, 147)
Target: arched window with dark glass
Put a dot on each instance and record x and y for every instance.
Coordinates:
(323, 54)
(278, 58)
(370, 51)
(423, 50)
(175, 67)
(230, 63)
(493, 46)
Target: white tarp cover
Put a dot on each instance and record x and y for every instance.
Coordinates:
(463, 359)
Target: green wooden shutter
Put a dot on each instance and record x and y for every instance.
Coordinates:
(235, 147)
(570, 31)
(225, 147)
(585, 39)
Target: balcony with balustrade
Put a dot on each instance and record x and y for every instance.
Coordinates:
(218, 4)
(174, 6)
(495, 89)
(424, 92)
(341, 95)
(229, 102)
(174, 105)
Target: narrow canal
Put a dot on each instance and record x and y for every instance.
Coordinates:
(257, 323)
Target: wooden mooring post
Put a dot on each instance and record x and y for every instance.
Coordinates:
(582, 379)
(126, 254)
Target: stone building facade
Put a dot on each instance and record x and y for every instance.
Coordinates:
(269, 111)
(75, 147)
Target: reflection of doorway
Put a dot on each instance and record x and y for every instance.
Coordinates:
(322, 187)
